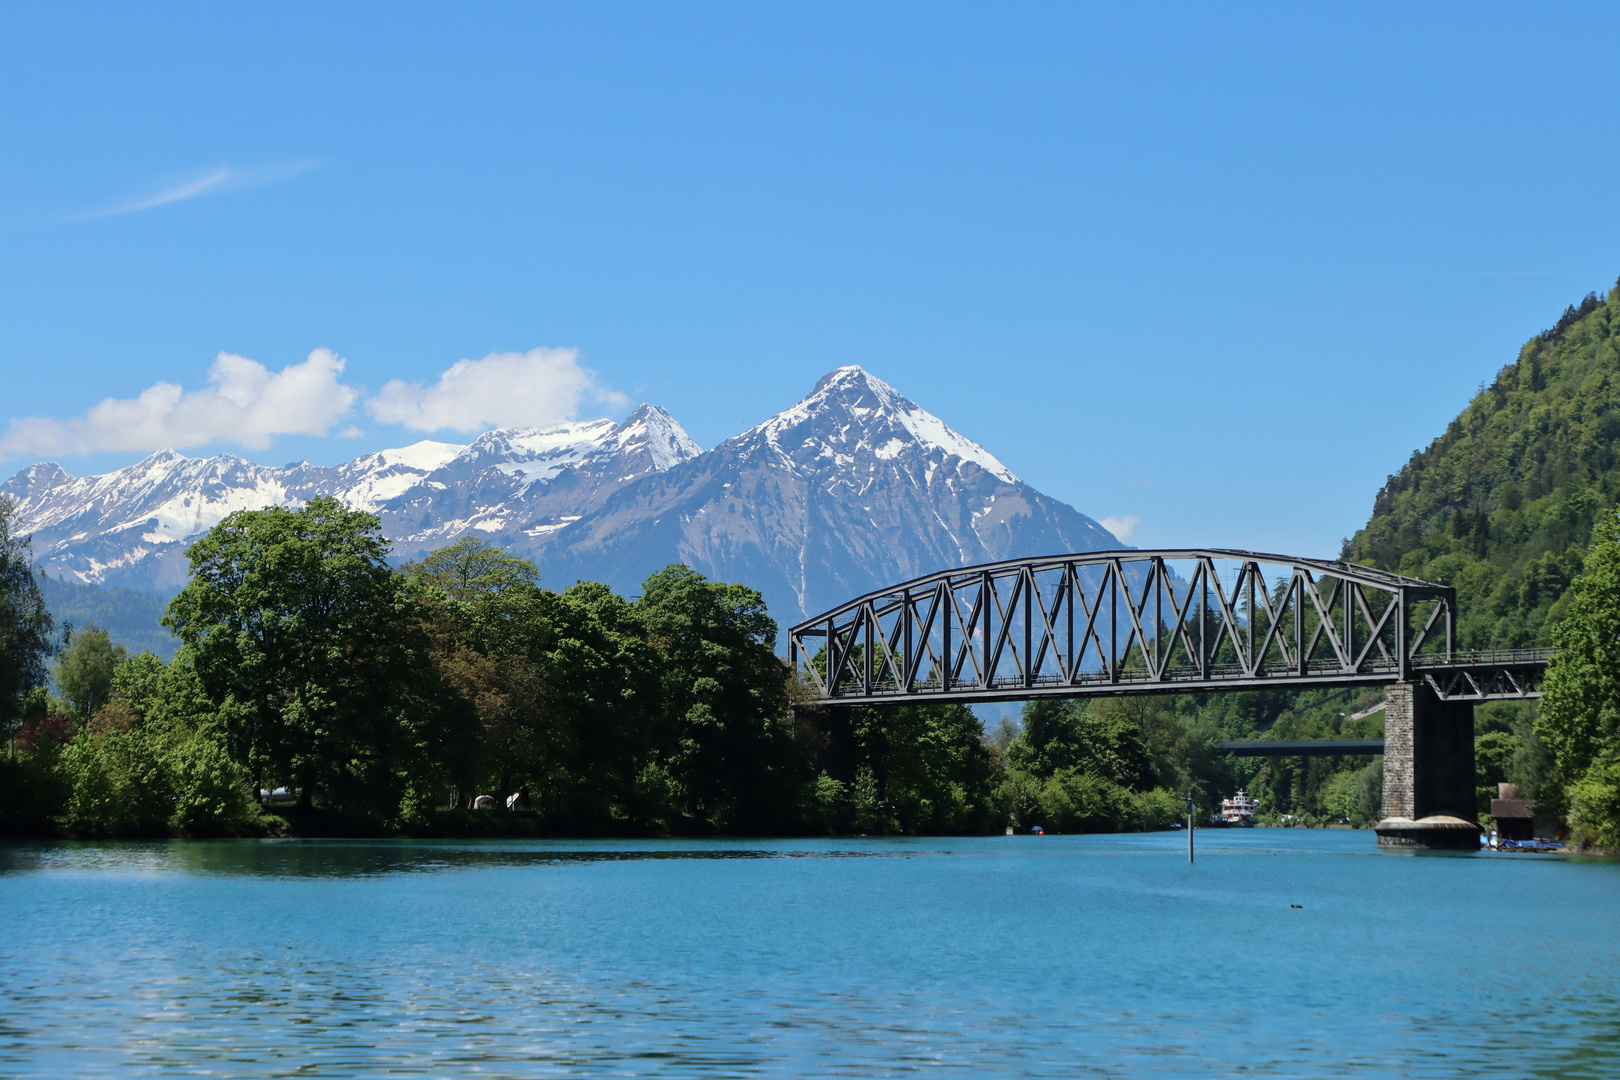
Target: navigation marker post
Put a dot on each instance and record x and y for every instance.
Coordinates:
(1192, 807)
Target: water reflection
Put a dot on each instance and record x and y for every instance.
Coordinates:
(366, 858)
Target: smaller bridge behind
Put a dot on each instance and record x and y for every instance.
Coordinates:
(1302, 747)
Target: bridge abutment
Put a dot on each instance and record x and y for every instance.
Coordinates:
(1428, 772)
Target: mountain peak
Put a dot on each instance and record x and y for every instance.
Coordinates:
(45, 474)
(652, 428)
(851, 411)
(161, 457)
(850, 374)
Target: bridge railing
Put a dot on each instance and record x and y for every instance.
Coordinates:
(1126, 621)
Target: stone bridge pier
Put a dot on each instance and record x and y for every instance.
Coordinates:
(1429, 800)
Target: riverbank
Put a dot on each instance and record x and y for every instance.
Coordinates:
(328, 824)
(320, 823)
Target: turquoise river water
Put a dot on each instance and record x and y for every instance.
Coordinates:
(1008, 956)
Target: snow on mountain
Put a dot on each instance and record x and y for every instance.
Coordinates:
(853, 488)
(371, 481)
(518, 484)
(130, 527)
(869, 411)
(127, 525)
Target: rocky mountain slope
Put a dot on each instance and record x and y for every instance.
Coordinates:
(853, 488)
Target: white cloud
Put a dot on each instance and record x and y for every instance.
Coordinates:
(537, 388)
(1121, 527)
(247, 405)
(209, 182)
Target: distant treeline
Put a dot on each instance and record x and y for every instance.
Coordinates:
(132, 617)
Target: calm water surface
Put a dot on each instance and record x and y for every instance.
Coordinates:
(1009, 956)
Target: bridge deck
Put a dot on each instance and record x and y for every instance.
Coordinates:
(1477, 676)
(1302, 747)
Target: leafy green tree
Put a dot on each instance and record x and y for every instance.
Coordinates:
(26, 626)
(602, 693)
(209, 791)
(1580, 709)
(927, 770)
(1098, 741)
(472, 569)
(723, 732)
(118, 782)
(152, 758)
(562, 683)
(1594, 806)
(84, 671)
(1072, 800)
(313, 654)
(140, 681)
(1357, 796)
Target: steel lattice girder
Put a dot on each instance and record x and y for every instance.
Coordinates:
(1114, 622)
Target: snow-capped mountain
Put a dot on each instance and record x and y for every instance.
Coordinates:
(516, 485)
(131, 527)
(853, 488)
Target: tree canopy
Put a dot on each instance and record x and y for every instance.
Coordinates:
(84, 671)
(306, 640)
(395, 697)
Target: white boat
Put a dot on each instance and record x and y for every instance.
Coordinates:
(1237, 812)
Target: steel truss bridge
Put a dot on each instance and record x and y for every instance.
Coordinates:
(1119, 622)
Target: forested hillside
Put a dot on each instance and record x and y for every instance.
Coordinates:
(1502, 505)
(133, 618)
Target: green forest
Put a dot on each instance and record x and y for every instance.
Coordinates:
(1515, 506)
(1502, 505)
(132, 617)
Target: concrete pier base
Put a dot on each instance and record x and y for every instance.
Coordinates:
(1438, 832)
(1428, 772)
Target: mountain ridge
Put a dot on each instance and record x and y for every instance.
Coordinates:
(851, 488)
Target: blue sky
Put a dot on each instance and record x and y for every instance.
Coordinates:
(1218, 267)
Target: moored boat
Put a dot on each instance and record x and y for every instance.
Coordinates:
(1238, 812)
